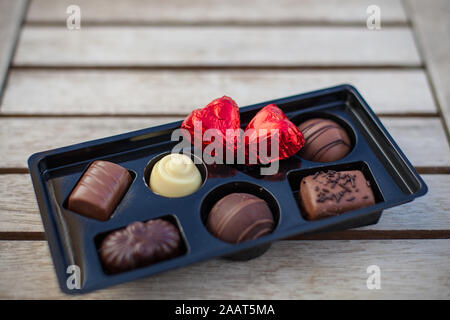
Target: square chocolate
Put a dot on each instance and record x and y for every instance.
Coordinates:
(327, 194)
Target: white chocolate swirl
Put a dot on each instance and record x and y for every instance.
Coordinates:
(175, 176)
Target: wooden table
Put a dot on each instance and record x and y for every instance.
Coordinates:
(136, 63)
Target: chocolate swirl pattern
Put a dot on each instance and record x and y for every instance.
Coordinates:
(140, 244)
(325, 140)
(240, 217)
(175, 176)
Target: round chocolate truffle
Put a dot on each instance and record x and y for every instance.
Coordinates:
(140, 244)
(325, 140)
(240, 217)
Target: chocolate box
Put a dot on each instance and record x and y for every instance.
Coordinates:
(75, 239)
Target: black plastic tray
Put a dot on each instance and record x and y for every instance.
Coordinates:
(74, 239)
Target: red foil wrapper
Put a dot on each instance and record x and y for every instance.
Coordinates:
(220, 114)
(223, 114)
(290, 137)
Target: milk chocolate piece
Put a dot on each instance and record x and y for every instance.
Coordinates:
(140, 244)
(240, 217)
(327, 194)
(99, 190)
(325, 140)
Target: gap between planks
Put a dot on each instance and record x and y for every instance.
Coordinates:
(223, 23)
(421, 170)
(179, 115)
(217, 67)
(338, 235)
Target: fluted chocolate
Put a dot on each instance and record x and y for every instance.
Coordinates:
(99, 190)
(140, 244)
(240, 217)
(327, 194)
(325, 140)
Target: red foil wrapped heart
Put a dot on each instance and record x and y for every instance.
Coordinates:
(220, 114)
(290, 137)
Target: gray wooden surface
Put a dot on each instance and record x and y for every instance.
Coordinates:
(411, 269)
(141, 12)
(418, 137)
(141, 92)
(11, 15)
(217, 46)
(432, 24)
(139, 63)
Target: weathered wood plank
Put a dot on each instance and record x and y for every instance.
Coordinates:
(431, 212)
(62, 131)
(18, 135)
(410, 269)
(77, 92)
(18, 207)
(432, 24)
(11, 16)
(19, 212)
(407, 132)
(422, 139)
(216, 11)
(216, 46)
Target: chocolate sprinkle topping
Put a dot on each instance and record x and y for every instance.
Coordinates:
(343, 186)
(333, 179)
(333, 193)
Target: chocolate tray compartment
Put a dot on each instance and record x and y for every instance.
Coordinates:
(118, 206)
(316, 134)
(295, 178)
(202, 168)
(242, 187)
(183, 248)
(72, 237)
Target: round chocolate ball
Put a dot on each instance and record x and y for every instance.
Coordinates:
(325, 140)
(140, 244)
(240, 217)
